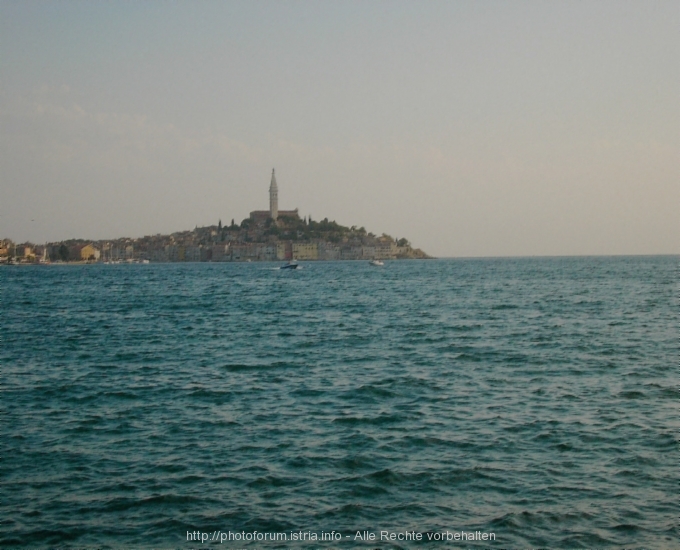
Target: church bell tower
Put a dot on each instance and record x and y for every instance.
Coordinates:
(273, 198)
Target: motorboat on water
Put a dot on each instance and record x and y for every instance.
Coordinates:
(290, 265)
(377, 263)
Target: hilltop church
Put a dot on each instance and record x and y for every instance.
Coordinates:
(261, 216)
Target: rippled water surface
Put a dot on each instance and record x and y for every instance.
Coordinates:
(533, 398)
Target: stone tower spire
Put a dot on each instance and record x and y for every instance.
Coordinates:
(273, 198)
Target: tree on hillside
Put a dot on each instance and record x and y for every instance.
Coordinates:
(272, 230)
(63, 253)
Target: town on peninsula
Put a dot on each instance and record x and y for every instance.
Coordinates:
(265, 235)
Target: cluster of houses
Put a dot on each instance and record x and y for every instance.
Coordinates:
(234, 251)
(47, 253)
(231, 246)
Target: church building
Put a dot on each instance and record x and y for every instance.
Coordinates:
(261, 216)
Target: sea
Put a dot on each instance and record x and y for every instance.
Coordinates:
(453, 403)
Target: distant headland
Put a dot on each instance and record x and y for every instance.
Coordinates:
(266, 235)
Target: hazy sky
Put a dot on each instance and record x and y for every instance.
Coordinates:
(474, 128)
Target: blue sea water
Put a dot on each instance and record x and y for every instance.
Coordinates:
(535, 399)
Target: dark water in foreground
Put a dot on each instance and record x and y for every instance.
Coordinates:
(531, 398)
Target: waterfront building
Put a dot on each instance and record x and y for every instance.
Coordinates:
(220, 252)
(368, 252)
(6, 247)
(328, 251)
(386, 250)
(89, 252)
(192, 254)
(171, 253)
(351, 253)
(305, 251)
(158, 255)
(284, 250)
(266, 252)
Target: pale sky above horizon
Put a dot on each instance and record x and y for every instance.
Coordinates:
(477, 128)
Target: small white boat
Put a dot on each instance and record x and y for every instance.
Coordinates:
(377, 263)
